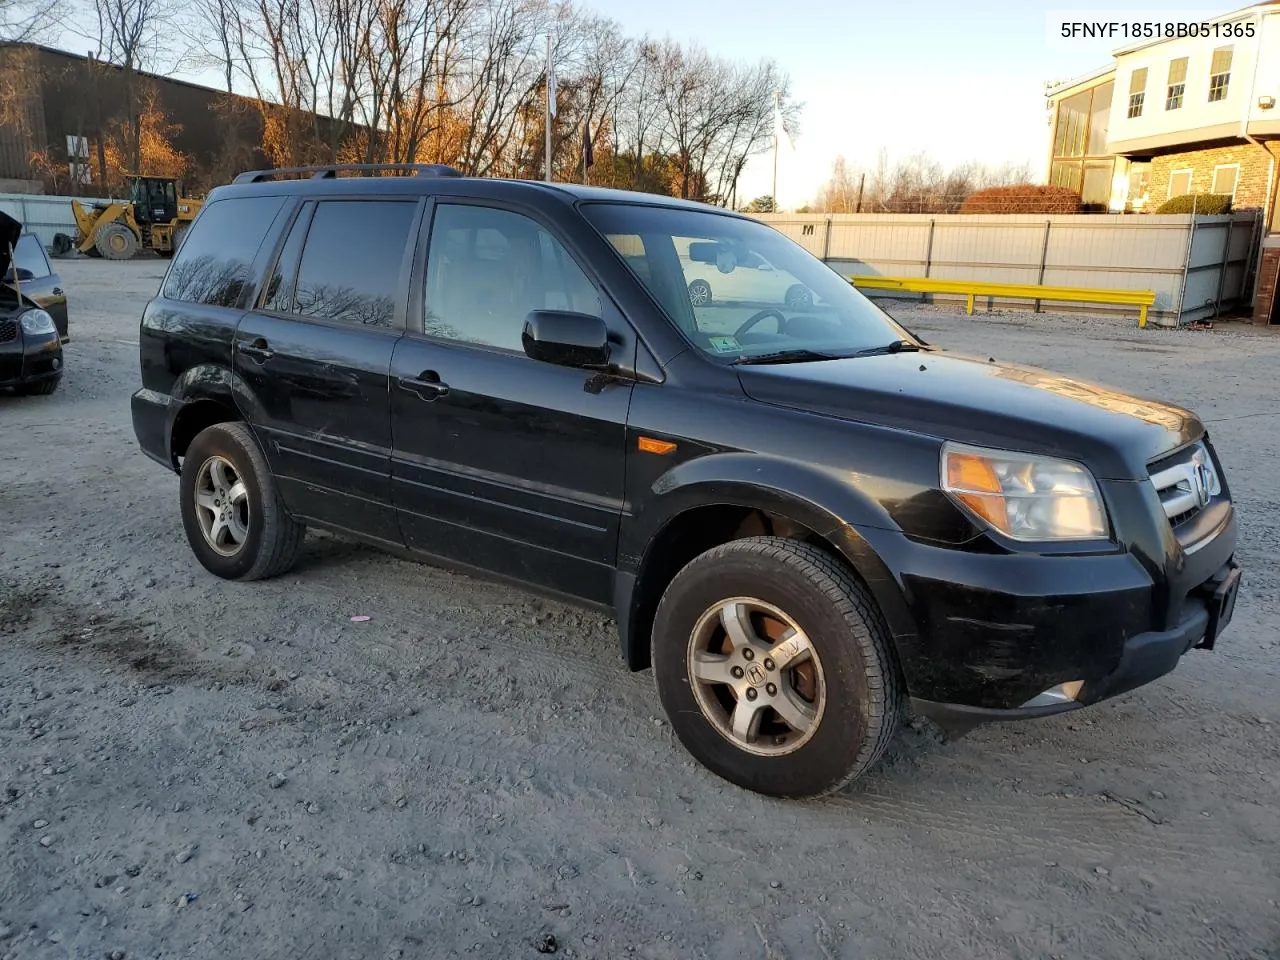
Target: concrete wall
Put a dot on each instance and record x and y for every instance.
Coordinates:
(42, 215)
(1127, 252)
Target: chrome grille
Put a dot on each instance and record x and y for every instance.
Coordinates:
(1186, 483)
(8, 331)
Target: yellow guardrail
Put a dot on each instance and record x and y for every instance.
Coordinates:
(1142, 299)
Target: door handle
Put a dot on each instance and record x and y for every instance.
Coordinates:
(427, 385)
(256, 350)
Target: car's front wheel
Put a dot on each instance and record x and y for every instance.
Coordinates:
(699, 293)
(234, 517)
(774, 667)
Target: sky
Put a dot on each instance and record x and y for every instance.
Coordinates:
(957, 80)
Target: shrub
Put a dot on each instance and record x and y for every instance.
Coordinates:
(1022, 198)
(1207, 203)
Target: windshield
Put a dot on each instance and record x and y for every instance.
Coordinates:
(740, 290)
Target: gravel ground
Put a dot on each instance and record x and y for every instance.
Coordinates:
(192, 768)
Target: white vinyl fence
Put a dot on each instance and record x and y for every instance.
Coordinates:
(43, 215)
(1198, 266)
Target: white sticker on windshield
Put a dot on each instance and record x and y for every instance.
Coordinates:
(725, 344)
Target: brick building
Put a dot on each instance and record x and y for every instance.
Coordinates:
(1195, 115)
(56, 104)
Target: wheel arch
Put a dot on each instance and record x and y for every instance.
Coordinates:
(206, 395)
(695, 517)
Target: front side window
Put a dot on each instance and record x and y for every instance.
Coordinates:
(1177, 84)
(350, 266)
(487, 269)
(1219, 74)
(1137, 92)
(740, 290)
(214, 264)
(29, 259)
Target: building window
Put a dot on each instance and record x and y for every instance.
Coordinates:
(1137, 92)
(1073, 120)
(1225, 178)
(1220, 74)
(1177, 83)
(1179, 183)
(1080, 159)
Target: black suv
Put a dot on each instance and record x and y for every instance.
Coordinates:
(800, 514)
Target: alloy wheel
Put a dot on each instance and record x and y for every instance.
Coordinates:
(756, 676)
(222, 506)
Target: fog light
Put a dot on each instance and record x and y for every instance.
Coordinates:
(56, 363)
(1062, 693)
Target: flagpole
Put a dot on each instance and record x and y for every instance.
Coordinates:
(776, 137)
(547, 117)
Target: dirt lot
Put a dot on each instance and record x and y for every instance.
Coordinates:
(191, 768)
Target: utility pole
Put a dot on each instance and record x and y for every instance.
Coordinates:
(861, 180)
(551, 110)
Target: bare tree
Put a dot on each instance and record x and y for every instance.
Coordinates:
(23, 20)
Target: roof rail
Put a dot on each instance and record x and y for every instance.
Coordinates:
(329, 171)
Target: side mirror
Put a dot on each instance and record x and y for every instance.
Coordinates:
(566, 339)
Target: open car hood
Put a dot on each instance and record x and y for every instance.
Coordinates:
(10, 231)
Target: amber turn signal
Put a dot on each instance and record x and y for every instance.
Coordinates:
(973, 481)
(653, 445)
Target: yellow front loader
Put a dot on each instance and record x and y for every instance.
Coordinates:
(153, 218)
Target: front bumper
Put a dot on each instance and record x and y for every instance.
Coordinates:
(1143, 658)
(27, 359)
(981, 635)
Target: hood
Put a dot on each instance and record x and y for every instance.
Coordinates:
(973, 400)
(10, 231)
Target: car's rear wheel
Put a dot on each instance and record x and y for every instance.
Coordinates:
(41, 388)
(234, 517)
(774, 667)
(699, 293)
(115, 241)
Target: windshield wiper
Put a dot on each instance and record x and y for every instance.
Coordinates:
(897, 346)
(787, 356)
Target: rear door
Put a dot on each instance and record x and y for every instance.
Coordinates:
(503, 462)
(315, 352)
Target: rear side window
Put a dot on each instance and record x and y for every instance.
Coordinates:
(215, 262)
(28, 256)
(350, 267)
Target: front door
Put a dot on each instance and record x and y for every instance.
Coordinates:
(315, 355)
(503, 462)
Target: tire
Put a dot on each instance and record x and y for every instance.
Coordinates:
(852, 697)
(180, 236)
(798, 295)
(115, 241)
(257, 539)
(62, 245)
(700, 293)
(41, 388)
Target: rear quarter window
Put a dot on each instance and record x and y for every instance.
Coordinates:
(215, 262)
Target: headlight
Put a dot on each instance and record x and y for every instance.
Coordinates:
(37, 322)
(1024, 496)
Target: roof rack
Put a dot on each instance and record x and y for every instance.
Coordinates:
(332, 170)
